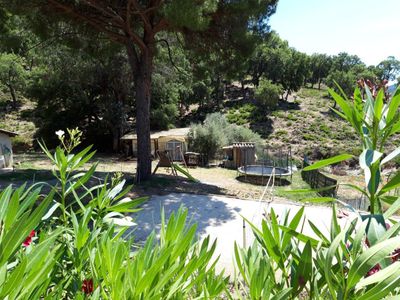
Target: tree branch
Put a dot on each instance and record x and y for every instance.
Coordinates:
(129, 31)
(161, 25)
(106, 11)
(97, 23)
(170, 56)
(146, 22)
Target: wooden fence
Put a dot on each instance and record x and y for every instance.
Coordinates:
(317, 180)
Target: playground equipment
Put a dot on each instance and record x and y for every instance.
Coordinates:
(165, 161)
(273, 161)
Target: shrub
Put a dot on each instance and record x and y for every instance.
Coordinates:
(21, 143)
(267, 94)
(346, 81)
(217, 132)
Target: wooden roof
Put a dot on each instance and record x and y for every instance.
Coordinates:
(9, 133)
(156, 134)
(240, 145)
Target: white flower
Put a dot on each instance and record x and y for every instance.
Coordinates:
(60, 133)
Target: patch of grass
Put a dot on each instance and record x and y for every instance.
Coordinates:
(279, 114)
(159, 182)
(310, 93)
(324, 128)
(281, 133)
(27, 174)
(309, 137)
(297, 184)
(292, 117)
(245, 114)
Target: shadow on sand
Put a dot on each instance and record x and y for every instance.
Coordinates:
(204, 210)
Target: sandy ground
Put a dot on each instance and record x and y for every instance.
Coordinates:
(221, 218)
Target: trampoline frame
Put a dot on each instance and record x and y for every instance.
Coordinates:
(242, 170)
(282, 161)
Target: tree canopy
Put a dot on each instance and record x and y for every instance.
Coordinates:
(137, 26)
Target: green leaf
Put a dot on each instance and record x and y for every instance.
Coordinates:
(282, 295)
(343, 104)
(392, 209)
(300, 236)
(14, 279)
(328, 274)
(369, 259)
(327, 162)
(393, 105)
(387, 281)
(375, 227)
(378, 105)
(379, 276)
(389, 199)
(304, 270)
(319, 200)
(294, 223)
(12, 210)
(358, 240)
(17, 234)
(392, 184)
(390, 156)
(306, 191)
(51, 211)
(4, 200)
(369, 106)
(369, 157)
(395, 128)
(355, 187)
(391, 232)
(127, 205)
(318, 233)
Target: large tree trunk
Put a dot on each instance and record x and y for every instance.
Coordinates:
(319, 83)
(13, 96)
(116, 138)
(142, 68)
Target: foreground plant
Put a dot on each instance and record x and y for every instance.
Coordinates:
(286, 263)
(70, 244)
(375, 118)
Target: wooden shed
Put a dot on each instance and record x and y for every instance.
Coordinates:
(174, 140)
(239, 154)
(6, 153)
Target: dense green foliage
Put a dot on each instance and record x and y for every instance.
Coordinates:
(82, 80)
(12, 75)
(267, 94)
(216, 132)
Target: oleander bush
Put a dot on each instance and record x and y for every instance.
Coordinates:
(73, 244)
(285, 263)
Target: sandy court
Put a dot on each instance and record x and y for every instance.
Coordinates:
(220, 217)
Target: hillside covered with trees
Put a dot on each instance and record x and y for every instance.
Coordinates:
(67, 70)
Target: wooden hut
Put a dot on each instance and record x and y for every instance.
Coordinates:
(239, 154)
(6, 153)
(174, 140)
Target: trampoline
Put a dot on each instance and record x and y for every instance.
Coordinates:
(260, 174)
(275, 162)
(261, 170)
